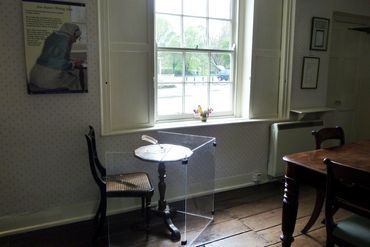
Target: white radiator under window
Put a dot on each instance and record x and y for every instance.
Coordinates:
(289, 137)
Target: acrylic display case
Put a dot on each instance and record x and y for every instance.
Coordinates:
(182, 171)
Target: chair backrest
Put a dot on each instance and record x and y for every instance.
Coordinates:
(331, 133)
(347, 188)
(98, 171)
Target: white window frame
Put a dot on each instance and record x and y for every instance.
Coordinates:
(243, 70)
(233, 65)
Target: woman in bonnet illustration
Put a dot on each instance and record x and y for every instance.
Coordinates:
(54, 68)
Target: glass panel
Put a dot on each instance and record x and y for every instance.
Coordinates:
(195, 7)
(195, 94)
(196, 67)
(220, 34)
(220, 9)
(169, 99)
(168, 6)
(190, 173)
(221, 67)
(200, 175)
(195, 32)
(200, 209)
(168, 30)
(221, 96)
(170, 67)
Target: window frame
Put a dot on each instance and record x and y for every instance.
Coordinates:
(243, 67)
(233, 65)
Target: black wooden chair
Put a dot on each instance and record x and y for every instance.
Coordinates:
(121, 185)
(321, 136)
(347, 188)
(324, 134)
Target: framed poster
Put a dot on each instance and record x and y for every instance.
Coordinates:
(55, 46)
(319, 34)
(310, 72)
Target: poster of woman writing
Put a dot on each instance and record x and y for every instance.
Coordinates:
(55, 46)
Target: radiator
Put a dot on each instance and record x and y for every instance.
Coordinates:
(289, 137)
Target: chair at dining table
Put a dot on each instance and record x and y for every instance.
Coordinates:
(322, 137)
(347, 188)
(135, 184)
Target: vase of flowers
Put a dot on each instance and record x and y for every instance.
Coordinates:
(203, 114)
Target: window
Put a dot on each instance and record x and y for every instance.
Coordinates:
(194, 57)
(188, 47)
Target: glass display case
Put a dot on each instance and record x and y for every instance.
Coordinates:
(182, 170)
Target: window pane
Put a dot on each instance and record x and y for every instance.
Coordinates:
(169, 67)
(195, 32)
(195, 94)
(220, 69)
(221, 96)
(220, 9)
(168, 6)
(220, 34)
(195, 7)
(196, 67)
(169, 99)
(168, 30)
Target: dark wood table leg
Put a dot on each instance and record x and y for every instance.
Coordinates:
(290, 205)
(163, 209)
(320, 198)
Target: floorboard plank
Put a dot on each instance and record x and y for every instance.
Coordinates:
(273, 217)
(222, 230)
(250, 239)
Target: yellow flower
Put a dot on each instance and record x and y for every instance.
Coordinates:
(200, 109)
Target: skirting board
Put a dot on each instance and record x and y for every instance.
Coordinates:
(25, 222)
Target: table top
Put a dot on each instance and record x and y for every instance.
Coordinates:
(356, 155)
(163, 152)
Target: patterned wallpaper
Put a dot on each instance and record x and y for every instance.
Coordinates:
(43, 154)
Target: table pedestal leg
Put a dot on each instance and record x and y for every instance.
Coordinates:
(163, 209)
(290, 207)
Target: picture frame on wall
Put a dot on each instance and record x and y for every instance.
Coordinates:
(310, 72)
(55, 40)
(319, 34)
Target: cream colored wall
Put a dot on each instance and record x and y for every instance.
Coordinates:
(349, 76)
(304, 12)
(44, 173)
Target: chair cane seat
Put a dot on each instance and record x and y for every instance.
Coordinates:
(138, 181)
(135, 184)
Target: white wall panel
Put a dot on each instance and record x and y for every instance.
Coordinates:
(264, 94)
(264, 99)
(128, 52)
(129, 90)
(128, 21)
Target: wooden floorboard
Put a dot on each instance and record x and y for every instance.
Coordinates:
(243, 217)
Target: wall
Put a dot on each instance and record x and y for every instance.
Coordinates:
(305, 10)
(44, 173)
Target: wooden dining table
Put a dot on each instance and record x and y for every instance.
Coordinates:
(309, 168)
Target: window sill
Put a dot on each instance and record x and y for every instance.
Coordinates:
(192, 123)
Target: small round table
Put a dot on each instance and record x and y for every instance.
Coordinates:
(163, 153)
